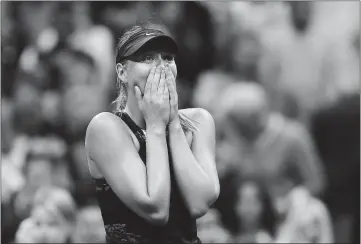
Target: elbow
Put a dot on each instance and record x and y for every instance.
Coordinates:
(159, 218)
(198, 212)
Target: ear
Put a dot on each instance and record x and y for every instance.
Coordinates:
(121, 72)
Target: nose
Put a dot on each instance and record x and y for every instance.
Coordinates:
(160, 61)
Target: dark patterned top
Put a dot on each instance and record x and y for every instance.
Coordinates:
(122, 225)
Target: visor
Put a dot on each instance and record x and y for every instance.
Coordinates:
(136, 41)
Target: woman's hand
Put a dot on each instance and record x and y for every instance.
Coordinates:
(155, 102)
(173, 96)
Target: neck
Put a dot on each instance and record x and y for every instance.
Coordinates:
(133, 111)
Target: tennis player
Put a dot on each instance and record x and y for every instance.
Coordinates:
(153, 165)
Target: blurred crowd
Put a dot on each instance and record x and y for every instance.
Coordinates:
(281, 80)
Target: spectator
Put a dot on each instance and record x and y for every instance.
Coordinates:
(302, 217)
(296, 64)
(265, 144)
(52, 218)
(89, 226)
(243, 53)
(256, 219)
(44, 165)
(38, 173)
(96, 41)
(75, 67)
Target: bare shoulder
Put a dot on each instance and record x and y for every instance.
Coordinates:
(104, 124)
(200, 115)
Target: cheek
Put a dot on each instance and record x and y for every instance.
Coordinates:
(138, 75)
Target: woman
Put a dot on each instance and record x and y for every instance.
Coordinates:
(256, 219)
(153, 166)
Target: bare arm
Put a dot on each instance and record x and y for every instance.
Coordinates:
(143, 189)
(194, 167)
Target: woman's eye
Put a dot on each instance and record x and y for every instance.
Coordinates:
(147, 58)
(168, 58)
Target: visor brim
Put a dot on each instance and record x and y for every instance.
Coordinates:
(164, 39)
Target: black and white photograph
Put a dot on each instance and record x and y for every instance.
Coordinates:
(180, 122)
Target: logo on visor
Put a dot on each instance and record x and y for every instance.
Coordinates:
(149, 34)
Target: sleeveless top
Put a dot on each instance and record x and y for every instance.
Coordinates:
(122, 225)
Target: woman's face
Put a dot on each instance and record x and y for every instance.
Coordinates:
(138, 69)
(249, 206)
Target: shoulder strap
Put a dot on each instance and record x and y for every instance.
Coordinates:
(138, 132)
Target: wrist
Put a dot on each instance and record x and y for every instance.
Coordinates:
(175, 125)
(158, 129)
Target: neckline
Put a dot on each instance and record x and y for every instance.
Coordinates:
(125, 115)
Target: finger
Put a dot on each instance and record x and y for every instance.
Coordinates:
(169, 72)
(166, 93)
(170, 76)
(170, 82)
(155, 81)
(138, 93)
(162, 83)
(172, 96)
(150, 78)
